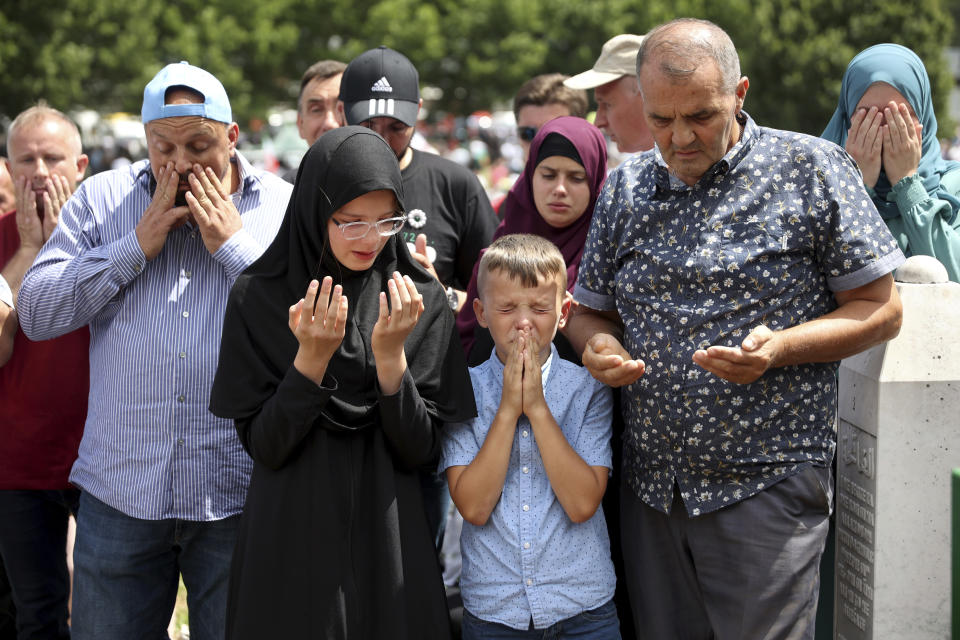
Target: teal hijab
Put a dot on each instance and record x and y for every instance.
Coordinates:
(904, 71)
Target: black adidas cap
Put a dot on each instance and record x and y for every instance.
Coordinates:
(380, 82)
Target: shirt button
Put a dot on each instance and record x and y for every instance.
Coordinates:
(526, 507)
(183, 354)
(529, 582)
(188, 274)
(181, 398)
(526, 469)
(186, 314)
(526, 545)
(524, 433)
(137, 268)
(180, 441)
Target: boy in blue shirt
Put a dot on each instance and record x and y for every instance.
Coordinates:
(528, 473)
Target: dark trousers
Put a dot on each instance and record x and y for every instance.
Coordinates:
(597, 624)
(33, 543)
(750, 570)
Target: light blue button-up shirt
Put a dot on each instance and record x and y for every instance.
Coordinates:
(530, 560)
(150, 447)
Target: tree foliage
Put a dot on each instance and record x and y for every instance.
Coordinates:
(100, 53)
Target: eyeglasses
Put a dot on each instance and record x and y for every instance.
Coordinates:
(527, 134)
(359, 229)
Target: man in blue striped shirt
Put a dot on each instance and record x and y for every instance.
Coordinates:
(145, 256)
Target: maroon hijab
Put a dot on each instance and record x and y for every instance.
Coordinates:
(520, 213)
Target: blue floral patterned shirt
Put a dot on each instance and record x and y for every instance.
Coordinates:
(765, 237)
(530, 560)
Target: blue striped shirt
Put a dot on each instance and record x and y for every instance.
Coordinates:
(150, 447)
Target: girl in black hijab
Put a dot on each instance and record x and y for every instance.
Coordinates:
(339, 399)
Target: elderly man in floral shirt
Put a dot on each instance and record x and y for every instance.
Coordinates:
(725, 275)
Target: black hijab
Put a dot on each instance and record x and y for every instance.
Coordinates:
(258, 347)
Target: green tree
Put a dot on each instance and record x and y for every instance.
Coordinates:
(100, 53)
(76, 53)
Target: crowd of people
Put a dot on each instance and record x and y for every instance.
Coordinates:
(617, 384)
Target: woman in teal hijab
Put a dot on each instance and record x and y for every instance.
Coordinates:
(885, 120)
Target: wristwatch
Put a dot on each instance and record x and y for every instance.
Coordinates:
(452, 298)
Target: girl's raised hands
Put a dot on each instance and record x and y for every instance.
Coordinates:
(318, 320)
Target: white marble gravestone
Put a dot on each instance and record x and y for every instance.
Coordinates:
(898, 440)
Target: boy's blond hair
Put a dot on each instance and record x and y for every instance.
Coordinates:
(524, 257)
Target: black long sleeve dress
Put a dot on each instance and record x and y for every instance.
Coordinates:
(333, 541)
(336, 545)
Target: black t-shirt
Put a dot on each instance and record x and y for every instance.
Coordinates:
(446, 202)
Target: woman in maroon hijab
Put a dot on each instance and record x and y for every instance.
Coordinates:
(552, 198)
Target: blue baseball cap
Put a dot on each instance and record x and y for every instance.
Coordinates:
(215, 105)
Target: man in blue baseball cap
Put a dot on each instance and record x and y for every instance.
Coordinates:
(146, 255)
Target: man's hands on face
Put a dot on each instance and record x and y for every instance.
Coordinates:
(743, 364)
(58, 191)
(162, 215)
(208, 201)
(607, 361)
(212, 208)
(29, 225)
(37, 216)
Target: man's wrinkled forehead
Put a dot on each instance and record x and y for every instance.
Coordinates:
(177, 125)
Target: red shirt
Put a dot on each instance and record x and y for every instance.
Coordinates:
(43, 399)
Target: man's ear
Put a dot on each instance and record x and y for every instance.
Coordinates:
(741, 92)
(478, 311)
(233, 136)
(82, 162)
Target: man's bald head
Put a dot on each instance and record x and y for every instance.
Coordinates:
(680, 47)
